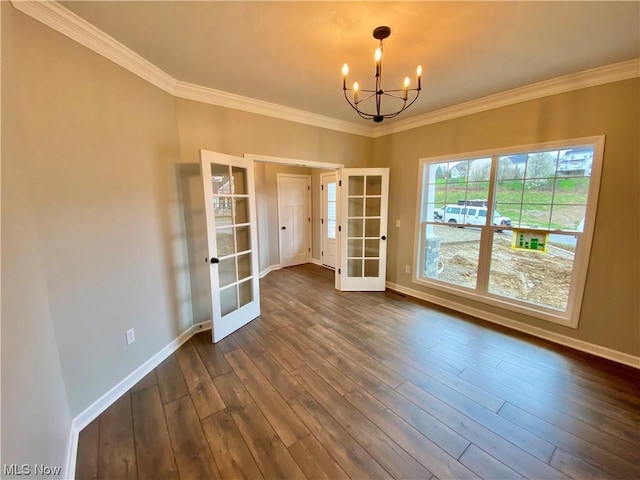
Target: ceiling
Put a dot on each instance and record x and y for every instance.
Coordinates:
(291, 53)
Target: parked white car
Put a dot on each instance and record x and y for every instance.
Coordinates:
(470, 215)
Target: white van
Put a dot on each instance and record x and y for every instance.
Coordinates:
(470, 215)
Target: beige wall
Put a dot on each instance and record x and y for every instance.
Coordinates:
(610, 311)
(89, 216)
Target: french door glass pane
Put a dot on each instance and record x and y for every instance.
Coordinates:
(245, 293)
(356, 185)
(227, 271)
(239, 181)
(228, 300)
(224, 241)
(243, 238)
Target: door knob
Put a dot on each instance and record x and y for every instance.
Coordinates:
(284, 228)
(383, 237)
(215, 260)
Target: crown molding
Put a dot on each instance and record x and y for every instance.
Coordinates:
(198, 93)
(588, 78)
(54, 15)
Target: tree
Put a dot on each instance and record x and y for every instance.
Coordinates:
(540, 168)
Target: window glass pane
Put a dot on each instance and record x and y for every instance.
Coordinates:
(568, 217)
(371, 267)
(354, 267)
(222, 208)
(227, 271)
(530, 276)
(220, 179)
(331, 192)
(244, 266)
(243, 238)
(228, 300)
(372, 247)
(374, 185)
(356, 227)
(575, 162)
(541, 165)
(511, 167)
(239, 180)
(245, 293)
(373, 207)
(356, 207)
(224, 241)
(331, 229)
(354, 247)
(535, 216)
(479, 170)
(572, 191)
(242, 210)
(356, 185)
(538, 191)
(372, 227)
(451, 254)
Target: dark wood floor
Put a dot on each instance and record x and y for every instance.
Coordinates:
(334, 385)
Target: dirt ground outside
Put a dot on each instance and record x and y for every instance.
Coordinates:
(542, 279)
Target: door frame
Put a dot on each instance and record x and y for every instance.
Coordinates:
(307, 205)
(323, 216)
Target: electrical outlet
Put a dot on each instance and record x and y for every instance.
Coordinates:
(397, 223)
(407, 269)
(131, 336)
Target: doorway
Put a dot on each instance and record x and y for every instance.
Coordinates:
(294, 218)
(328, 218)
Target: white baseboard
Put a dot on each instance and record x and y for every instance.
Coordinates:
(100, 405)
(270, 269)
(581, 345)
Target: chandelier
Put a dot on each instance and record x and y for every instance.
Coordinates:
(361, 95)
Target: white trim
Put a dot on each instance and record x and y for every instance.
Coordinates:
(558, 338)
(269, 269)
(567, 83)
(96, 408)
(211, 96)
(315, 261)
(76, 28)
(293, 161)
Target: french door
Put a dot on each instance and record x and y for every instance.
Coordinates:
(363, 229)
(230, 212)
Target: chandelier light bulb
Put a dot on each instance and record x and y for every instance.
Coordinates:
(378, 54)
(355, 92)
(345, 70)
(418, 70)
(406, 82)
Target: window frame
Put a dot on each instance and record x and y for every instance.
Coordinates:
(570, 317)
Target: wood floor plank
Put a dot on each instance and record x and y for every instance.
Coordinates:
(500, 448)
(268, 451)
(349, 454)
(485, 465)
(416, 432)
(154, 453)
(517, 435)
(387, 452)
(231, 454)
(117, 456)
(575, 467)
(88, 443)
(550, 407)
(211, 355)
(190, 447)
(315, 461)
(170, 380)
(203, 392)
(285, 422)
(147, 382)
(597, 456)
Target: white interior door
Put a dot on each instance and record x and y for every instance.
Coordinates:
(329, 218)
(363, 229)
(294, 216)
(229, 195)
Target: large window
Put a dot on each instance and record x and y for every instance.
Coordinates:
(511, 227)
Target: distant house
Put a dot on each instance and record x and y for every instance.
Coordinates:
(459, 170)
